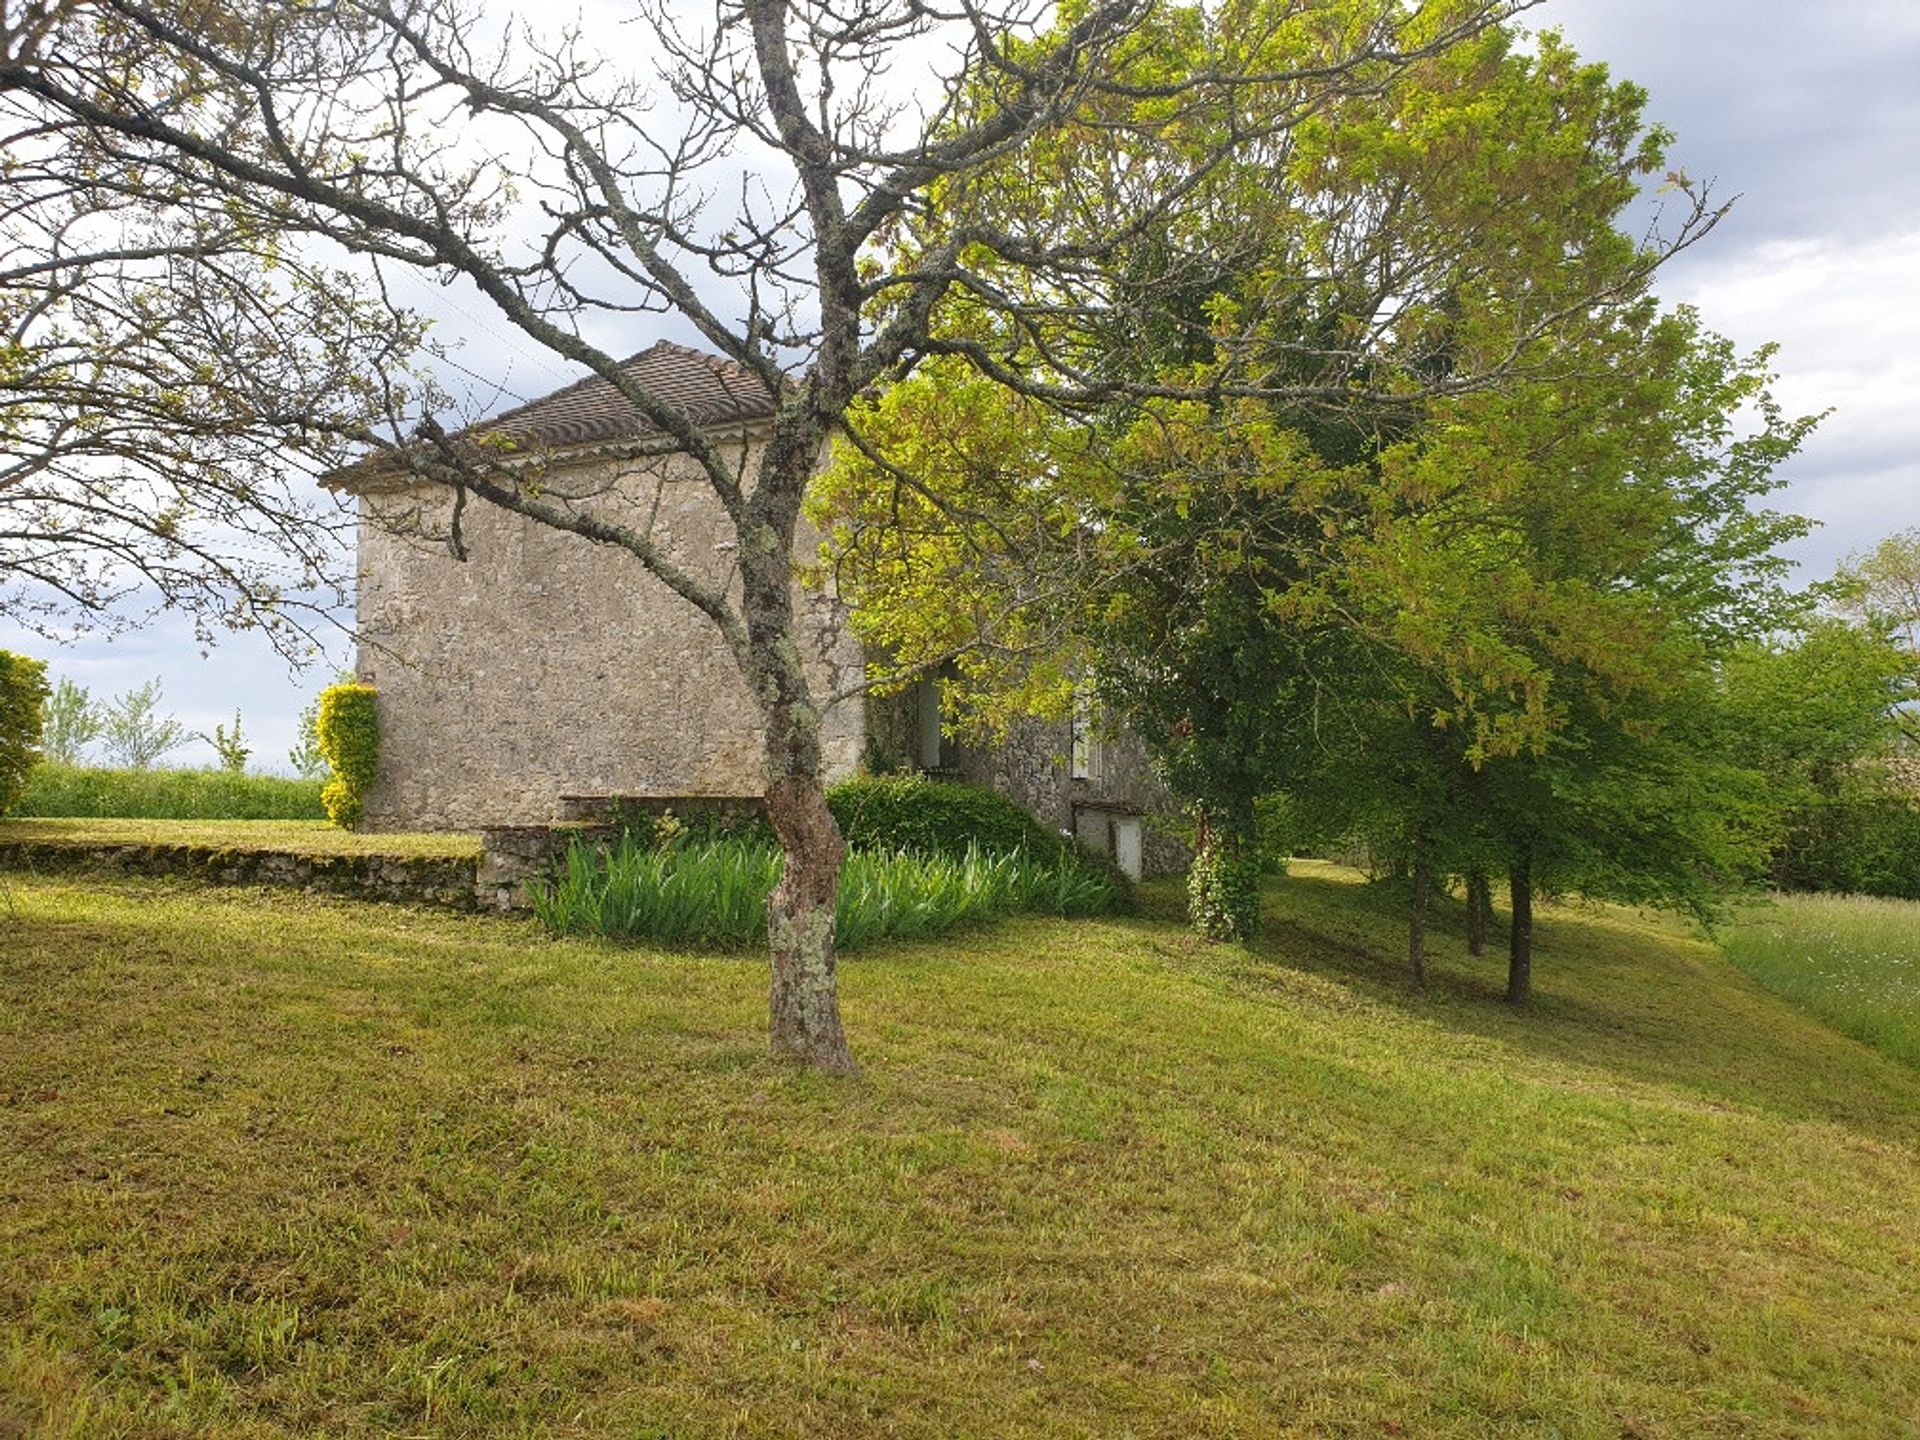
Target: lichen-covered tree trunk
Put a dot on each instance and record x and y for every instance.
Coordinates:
(1520, 936)
(804, 1008)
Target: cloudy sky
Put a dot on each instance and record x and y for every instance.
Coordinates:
(1809, 113)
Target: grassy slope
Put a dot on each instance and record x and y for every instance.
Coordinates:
(1851, 959)
(297, 837)
(281, 1166)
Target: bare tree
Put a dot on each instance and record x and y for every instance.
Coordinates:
(415, 134)
(151, 342)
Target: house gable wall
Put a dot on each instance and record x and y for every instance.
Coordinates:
(547, 665)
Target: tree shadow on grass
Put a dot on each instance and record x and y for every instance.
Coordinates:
(1631, 995)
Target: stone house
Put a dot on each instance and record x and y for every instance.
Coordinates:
(545, 668)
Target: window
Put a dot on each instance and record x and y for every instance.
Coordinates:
(1087, 760)
(926, 695)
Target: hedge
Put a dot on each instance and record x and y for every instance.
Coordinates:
(936, 817)
(349, 734)
(23, 695)
(88, 792)
(1862, 847)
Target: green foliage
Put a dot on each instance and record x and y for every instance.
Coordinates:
(86, 792)
(1469, 610)
(936, 817)
(713, 893)
(1821, 713)
(348, 734)
(1223, 888)
(133, 731)
(1815, 706)
(230, 746)
(1867, 845)
(1881, 589)
(72, 723)
(23, 694)
(305, 756)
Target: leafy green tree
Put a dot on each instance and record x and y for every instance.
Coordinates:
(1819, 711)
(230, 748)
(305, 756)
(73, 722)
(1881, 589)
(1882, 586)
(1463, 477)
(23, 691)
(133, 731)
(1559, 569)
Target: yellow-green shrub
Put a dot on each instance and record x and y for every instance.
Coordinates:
(349, 736)
(23, 694)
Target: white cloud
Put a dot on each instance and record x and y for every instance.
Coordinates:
(1843, 313)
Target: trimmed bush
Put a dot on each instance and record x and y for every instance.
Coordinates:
(83, 792)
(713, 894)
(23, 697)
(937, 817)
(348, 732)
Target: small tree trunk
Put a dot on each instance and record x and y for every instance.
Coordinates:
(804, 1007)
(1520, 938)
(1417, 923)
(1479, 911)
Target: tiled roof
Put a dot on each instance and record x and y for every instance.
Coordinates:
(705, 388)
(708, 390)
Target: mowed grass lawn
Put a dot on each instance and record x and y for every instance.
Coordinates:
(1850, 959)
(279, 1166)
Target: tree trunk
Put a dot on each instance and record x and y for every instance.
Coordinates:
(1520, 938)
(804, 1008)
(1223, 883)
(1417, 923)
(1479, 911)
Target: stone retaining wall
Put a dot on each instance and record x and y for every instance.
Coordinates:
(420, 880)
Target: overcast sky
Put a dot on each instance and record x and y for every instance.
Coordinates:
(1809, 113)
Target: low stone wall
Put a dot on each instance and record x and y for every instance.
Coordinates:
(513, 858)
(419, 880)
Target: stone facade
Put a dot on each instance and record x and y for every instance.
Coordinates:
(545, 665)
(1099, 791)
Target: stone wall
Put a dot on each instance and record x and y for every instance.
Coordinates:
(1033, 766)
(546, 665)
(411, 879)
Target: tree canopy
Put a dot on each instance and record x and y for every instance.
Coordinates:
(1436, 521)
